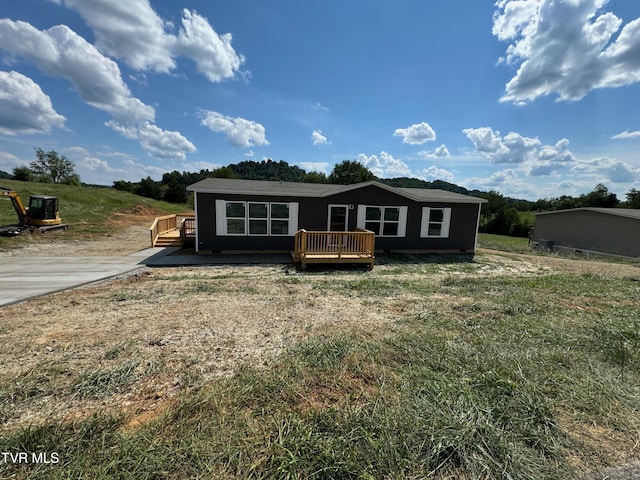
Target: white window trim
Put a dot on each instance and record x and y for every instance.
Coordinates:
(446, 222)
(221, 219)
(402, 219)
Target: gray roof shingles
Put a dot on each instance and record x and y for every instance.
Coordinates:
(294, 189)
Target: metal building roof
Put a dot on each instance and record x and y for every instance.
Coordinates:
(621, 212)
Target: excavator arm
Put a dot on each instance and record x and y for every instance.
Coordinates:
(18, 205)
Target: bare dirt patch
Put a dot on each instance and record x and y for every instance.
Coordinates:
(129, 234)
(129, 240)
(559, 264)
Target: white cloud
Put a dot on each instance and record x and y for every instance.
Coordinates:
(213, 53)
(567, 48)
(435, 173)
(60, 52)
(535, 159)
(24, 107)
(135, 33)
(416, 134)
(551, 159)
(9, 161)
(135, 170)
(197, 166)
(605, 169)
(164, 143)
(626, 135)
(239, 132)
(486, 140)
(507, 182)
(128, 30)
(385, 166)
(156, 141)
(88, 161)
(512, 148)
(318, 139)
(440, 152)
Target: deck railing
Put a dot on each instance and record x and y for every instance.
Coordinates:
(168, 223)
(162, 225)
(187, 229)
(328, 247)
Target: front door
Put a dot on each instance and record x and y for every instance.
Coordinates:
(338, 218)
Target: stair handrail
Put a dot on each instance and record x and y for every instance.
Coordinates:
(161, 225)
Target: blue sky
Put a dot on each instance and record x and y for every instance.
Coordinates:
(531, 98)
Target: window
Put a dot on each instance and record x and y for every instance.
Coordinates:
(373, 219)
(435, 222)
(256, 218)
(235, 213)
(383, 221)
(280, 214)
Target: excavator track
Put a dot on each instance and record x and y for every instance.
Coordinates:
(62, 226)
(10, 230)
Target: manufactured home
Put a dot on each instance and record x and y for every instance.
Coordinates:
(250, 215)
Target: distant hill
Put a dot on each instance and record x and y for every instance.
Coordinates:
(406, 182)
(4, 175)
(173, 185)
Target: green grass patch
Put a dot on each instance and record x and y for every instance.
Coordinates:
(504, 243)
(87, 210)
(104, 381)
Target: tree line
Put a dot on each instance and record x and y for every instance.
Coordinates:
(500, 215)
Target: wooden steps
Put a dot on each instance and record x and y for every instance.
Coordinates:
(169, 239)
(173, 231)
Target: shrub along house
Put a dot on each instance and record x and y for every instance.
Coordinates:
(250, 215)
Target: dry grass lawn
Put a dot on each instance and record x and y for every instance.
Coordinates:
(179, 326)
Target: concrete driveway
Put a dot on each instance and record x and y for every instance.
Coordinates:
(22, 278)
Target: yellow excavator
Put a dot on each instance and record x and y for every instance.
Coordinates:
(41, 216)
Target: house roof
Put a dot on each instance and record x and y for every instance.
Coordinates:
(620, 212)
(295, 189)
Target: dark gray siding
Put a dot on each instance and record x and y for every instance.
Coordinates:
(590, 230)
(313, 215)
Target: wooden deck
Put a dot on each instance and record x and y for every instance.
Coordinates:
(334, 247)
(172, 231)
